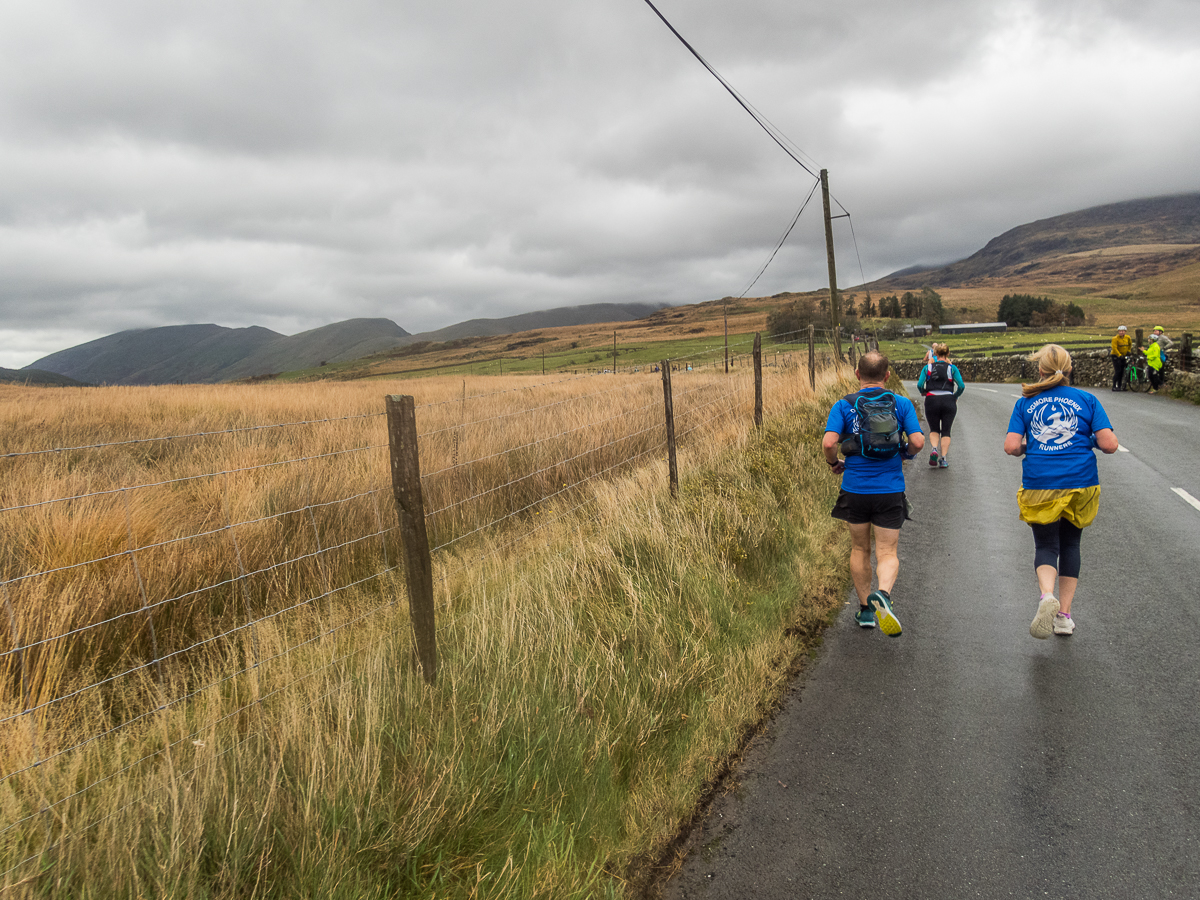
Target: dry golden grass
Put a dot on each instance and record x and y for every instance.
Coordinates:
(137, 639)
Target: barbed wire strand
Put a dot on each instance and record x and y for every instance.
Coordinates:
(591, 424)
(182, 479)
(177, 540)
(180, 437)
(192, 736)
(205, 641)
(199, 690)
(526, 411)
(536, 472)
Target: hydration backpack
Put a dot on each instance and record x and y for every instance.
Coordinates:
(937, 377)
(879, 434)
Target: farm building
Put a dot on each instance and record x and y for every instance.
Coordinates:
(977, 328)
(917, 330)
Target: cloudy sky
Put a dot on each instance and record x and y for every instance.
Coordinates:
(290, 163)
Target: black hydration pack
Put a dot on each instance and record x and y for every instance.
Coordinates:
(879, 435)
(937, 377)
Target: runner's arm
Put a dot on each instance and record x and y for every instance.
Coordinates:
(958, 382)
(912, 428)
(1106, 440)
(1012, 443)
(829, 446)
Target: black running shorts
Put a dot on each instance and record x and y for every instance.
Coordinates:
(884, 510)
(940, 410)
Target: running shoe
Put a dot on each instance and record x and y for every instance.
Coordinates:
(864, 617)
(882, 604)
(933, 459)
(1064, 624)
(943, 463)
(1043, 623)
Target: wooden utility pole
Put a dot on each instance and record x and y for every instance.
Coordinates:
(834, 303)
(726, 312)
(672, 465)
(757, 380)
(410, 507)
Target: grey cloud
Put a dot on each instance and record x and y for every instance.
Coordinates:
(294, 163)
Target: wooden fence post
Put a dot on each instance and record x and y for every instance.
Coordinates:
(812, 357)
(757, 380)
(410, 506)
(853, 361)
(1138, 333)
(672, 465)
(1185, 352)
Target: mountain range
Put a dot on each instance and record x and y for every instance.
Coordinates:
(1155, 234)
(207, 354)
(1089, 251)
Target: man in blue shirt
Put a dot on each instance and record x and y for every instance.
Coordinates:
(872, 494)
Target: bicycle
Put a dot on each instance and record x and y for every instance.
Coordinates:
(1137, 374)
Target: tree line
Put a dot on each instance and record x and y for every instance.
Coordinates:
(924, 306)
(1027, 311)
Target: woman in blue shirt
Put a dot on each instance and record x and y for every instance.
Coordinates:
(1056, 427)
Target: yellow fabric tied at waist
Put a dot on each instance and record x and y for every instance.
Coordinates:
(1077, 505)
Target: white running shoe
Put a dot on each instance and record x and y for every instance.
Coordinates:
(1043, 623)
(1064, 624)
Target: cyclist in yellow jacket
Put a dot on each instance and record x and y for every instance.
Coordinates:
(1155, 357)
(1122, 344)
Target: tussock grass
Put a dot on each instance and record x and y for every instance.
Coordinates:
(603, 652)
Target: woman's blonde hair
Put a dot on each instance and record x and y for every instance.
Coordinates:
(1054, 368)
(941, 350)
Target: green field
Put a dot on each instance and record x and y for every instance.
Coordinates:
(1013, 341)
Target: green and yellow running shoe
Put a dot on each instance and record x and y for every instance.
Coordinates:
(864, 617)
(882, 604)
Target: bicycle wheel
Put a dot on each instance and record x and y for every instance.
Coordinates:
(1139, 379)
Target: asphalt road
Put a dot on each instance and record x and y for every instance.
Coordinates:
(965, 758)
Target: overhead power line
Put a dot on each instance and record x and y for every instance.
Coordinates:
(775, 134)
(771, 259)
(785, 143)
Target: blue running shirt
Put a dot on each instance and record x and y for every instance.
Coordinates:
(1059, 425)
(872, 476)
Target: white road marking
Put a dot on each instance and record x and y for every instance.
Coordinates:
(989, 390)
(1187, 498)
(1122, 449)
(1018, 396)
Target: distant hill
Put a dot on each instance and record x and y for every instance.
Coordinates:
(37, 377)
(158, 355)
(338, 342)
(213, 353)
(1156, 234)
(589, 314)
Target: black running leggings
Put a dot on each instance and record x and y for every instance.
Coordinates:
(940, 410)
(1057, 544)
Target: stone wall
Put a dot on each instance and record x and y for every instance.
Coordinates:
(1184, 385)
(1092, 369)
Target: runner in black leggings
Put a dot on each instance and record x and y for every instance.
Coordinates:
(941, 384)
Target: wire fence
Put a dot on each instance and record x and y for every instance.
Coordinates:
(160, 593)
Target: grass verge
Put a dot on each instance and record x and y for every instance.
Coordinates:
(591, 691)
